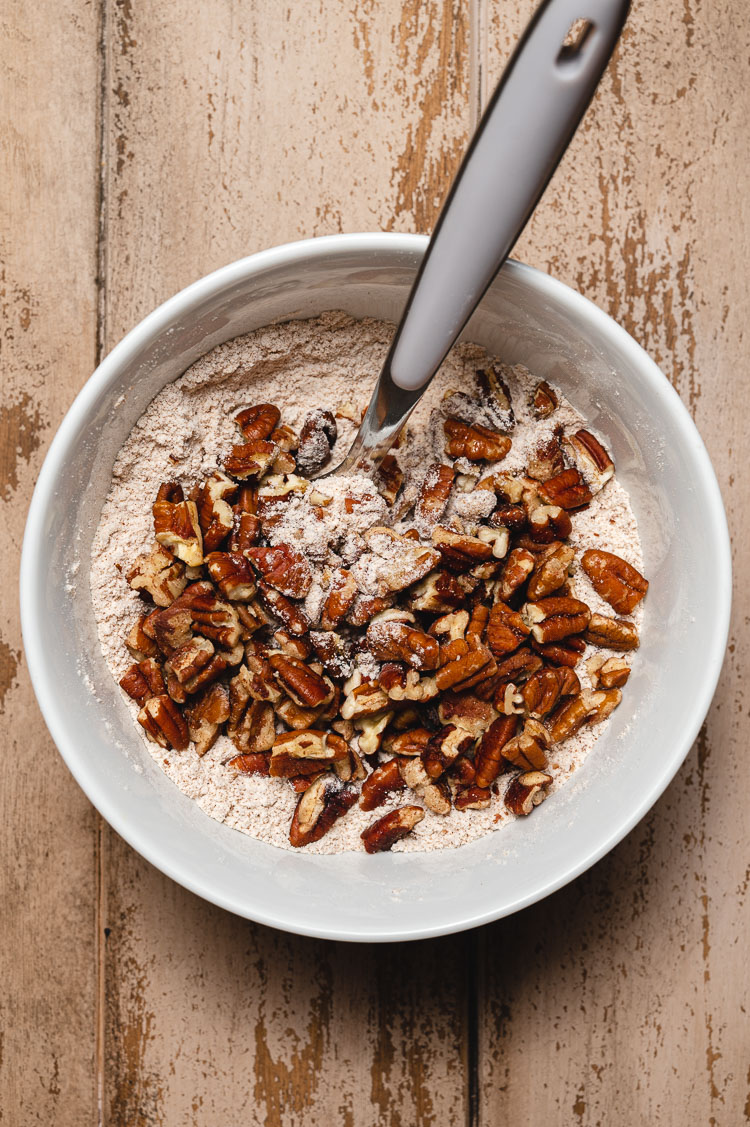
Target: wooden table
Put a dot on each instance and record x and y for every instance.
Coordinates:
(152, 142)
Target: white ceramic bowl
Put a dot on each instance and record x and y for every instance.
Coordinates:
(527, 318)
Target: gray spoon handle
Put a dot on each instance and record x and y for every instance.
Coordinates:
(529, 122)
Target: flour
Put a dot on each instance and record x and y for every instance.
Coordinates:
(329, 363)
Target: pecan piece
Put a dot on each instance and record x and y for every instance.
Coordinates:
(406, 684)
(138, 643)
(319, 807)
(365, 699)
(341, 595)
(176, 524)
(544, 400)
(232, 574)
(466, 663)
(496, 397)
(569, 717)
(250, 459)
(544, 689)
(566, 489)
(518, 567)
(365, 607)
(215, 514)
(389, 479)
(546, 460)
(552, 619)
(512, 517)
(473, 798)
(384, 780)
(335, 652)
(551, 570)
(608, 673)
(306, 687)
(437, 593)
(284, 568)
(548, 523)
(206, 715)
(252, 763)
(143, 681)
(488, 760)
(460, 553)
(528, 749)
(159, 575)
(475, 443)
(566, 652)
(405, 561)
(258, 422)
(614, 580)
(506, 630)
(397, 641)
(527, 791)
(604, 707)
(211, 616)
(305, 751)
(444, 748)
(590, 459)
(505, 485)
(611, 633)
(383, 834)
(318, 434)
(187, 661)
(433, 495)
(163, 723)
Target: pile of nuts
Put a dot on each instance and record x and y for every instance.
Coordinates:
(474, 626)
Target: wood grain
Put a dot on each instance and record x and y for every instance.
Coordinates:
(230, 128)
(48, 224)
(624, 998)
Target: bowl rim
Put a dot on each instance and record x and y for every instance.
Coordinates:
(181, 304)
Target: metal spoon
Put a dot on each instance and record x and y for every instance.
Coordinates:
(529, 123)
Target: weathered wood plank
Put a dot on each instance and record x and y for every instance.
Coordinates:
(231, 128)
(623, 999)
(48, 224)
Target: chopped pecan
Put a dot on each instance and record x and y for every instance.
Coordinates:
(250, 620)
(389, 479)
(305, 751)
(245, 531)
(527, 791)
(480, 617)
(250, 724)
(544, 689)
(548, 523)
(460, 553)
(614, 580)
(172, 627)
(608, 672)
(606, 706)
(215, 514)
(293, 617)
(284, 568)
(518, 567)
(496, 397)
(319, 807)
(163, 723)
(612, 633)
(512, 517)
(286, 439)
(364, 700)
(543, 400)
(570, 716)
(371, 731)
(250, 459)
(176, 524)
(406, 684)
(405, 561)
(143, 680)
(232, 574)
(306, 687)
(551, 570)
(318, 434)
(211, 616)
(433, 495)
(205, 715)
(505, 485)
(516, 667)
(341, 595)
(488, 760)
(397, 641)
(187, 661)
(552, 619)
(528, 749)
(335, 652)
(365, 607)
(410, 743)
(139, 644)
(590, 459)
(508, 700)
(566, 652)
(444, 748)
(292, 645)
(383, 834)
(473, 798)
(437, 593)
(383, 781)
(506, 630)
(253, 763)
(159, 575)
(475, 443)
(546, 460)
(498, 539)
(466, 663)
(258, 422)
(466, 711)
(566, 489)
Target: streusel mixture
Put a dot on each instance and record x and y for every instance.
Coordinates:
(401, 662)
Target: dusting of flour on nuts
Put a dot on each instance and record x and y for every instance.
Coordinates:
(401, 662)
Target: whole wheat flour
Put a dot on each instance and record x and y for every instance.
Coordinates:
(330, 363)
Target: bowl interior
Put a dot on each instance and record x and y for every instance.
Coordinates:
(525, 318)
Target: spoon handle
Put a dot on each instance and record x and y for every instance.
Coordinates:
(529, 122)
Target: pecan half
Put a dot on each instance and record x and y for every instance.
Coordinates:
(405, 561)
(163, 723)
(528, 750)
(544, 689)
(473, 798)
(460, 553)
(566, 652)
(566, 489)
(614, 580)
(551, 570)
(143, 681)
(488, 760)
(475, 443)
(444, 748)
(611, 633)
(206, 715)
(284, 568)
(383, 781)
(590, 459)
(506, 630)
(306, 751)
(433, 495)
(397, 641)
(341, 595)
(518, 567)
(211, 616)
(466, 663)
(159, 575)
(383, 834)
(549, 620)
(306, 687)
(527, 791)
(232, 574)
(543, 400)
(318, 809)
(258, 422)
(496, 397)
(608, 673)
(316, 439)
(569, 717)
(215, 514)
